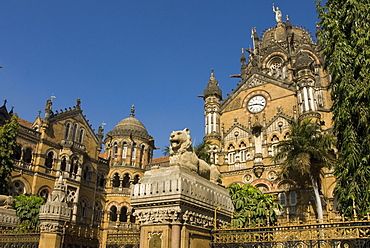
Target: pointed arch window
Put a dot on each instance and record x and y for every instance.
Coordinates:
(126, 181)
(136, 179)
(115, 149)
(123, 214)
(124, 150)
(18, 152)
(113, 213)
(116, 180)
(68, 128)
(81, 136)
(132, 216)
(49, 159)
(231, 154)
(74, 165)
(27, 156)
(74, 131)
(84, 208)
(141, 158)
(63, 164)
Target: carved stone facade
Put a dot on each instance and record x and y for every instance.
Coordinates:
(282, 79)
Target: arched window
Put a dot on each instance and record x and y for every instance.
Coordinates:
(74, 131)
(49, 159)
(123, 214)
(84, 208)
(68, 129)
(113, 213)
(282, 199)
(87, 173)
(231, 154)
(126, 181)
(81, 136)
(27, 156)
(124, 150)
(44, 193)
(293, 198)
(116, 180)
(63, 164)
(136, 179)
(97, 212)
(243, 151)
(275, 141)
(141, 158)
(132, 217)
(115, 149)
(17, 152)
(133, 154)
(74, 165)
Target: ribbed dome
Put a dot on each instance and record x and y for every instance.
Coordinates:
(130, 126)
(130, 123)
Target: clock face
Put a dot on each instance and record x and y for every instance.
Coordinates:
(256, 104)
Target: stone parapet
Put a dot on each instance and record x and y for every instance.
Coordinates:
(8, 218)
(176, 195)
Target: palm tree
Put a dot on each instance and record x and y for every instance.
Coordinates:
(306, 151)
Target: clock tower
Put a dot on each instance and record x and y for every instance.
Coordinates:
(282, 79)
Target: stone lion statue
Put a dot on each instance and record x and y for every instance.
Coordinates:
(6, 201)
(182, 154)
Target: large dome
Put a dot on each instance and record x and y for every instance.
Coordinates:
(130, 126)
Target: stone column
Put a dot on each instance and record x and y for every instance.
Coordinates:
(176, 236)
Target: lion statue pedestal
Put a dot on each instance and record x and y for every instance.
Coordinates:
(178, 205)
(8, 216)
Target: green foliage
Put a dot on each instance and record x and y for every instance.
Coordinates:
(306, 152)
(166, 151)
(8, 134)
(202, 151)
(27, 209)
(345, 39)
(252, 207)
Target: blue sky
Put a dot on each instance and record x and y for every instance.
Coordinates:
(157, 55)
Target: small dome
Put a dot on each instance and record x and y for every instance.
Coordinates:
(130, 126)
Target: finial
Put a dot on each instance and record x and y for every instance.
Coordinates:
(132, 111)
(78, 103)
(5, 101)
(39, 113)
(287, 17)
(213, 72)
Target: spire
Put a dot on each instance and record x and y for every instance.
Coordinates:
(212, 87)
(132, 111)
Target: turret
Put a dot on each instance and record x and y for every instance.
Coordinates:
(212, 98)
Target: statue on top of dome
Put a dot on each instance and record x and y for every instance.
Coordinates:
(278, 14)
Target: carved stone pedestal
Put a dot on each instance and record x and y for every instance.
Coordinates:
(176, 208)
(53, 217)
(8, 218)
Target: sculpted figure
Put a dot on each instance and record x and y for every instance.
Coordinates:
(182, 154)
(278, 15)
(6, 201)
